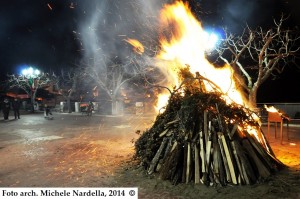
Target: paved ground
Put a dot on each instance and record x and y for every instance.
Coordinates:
(74, 150)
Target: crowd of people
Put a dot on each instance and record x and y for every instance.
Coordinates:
(6, 106)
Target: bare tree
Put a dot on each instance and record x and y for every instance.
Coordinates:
(257, 55)
(31, 84)
(110, 74)
(67, 84)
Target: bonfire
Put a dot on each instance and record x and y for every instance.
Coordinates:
(201, 138)
(206, 133)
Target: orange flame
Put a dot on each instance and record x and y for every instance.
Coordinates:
(271, 109)
(137, 46)
(187, 45)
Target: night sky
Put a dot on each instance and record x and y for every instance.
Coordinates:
(48, 33)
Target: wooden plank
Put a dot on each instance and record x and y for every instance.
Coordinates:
(262, 169)
(202, 153)
(188, 164)
(205, 127)
(197, 165)
(225, 162)
(229, 160)
(184, 168)
(235, 126)
(272, 162)
(237, 160)
(156, 157)
(163, 133)
(169, 167)
(219, 170)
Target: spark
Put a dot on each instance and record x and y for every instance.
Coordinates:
(49, 6)
(72, 5)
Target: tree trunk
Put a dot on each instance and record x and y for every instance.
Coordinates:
(117, 107)
(69, 105)
(252, 97)
(32, 99)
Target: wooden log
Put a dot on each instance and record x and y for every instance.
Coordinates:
(205, 127)
(188, 163)
(197, 165)
(218, 166)
(169, 167)
(272, 162)
(271, 154)
(177, 177)
(184, 168)
(172, 122)
(208, 154)
(163, 133)
(168, 148)
(237, 160)
(225, 162)
(229, 160)
(202, 153)
(267, 143)
(219, 119)
(262, 169)
(166, 152)
(233, 130)
(247, 170)
(157, 156)
(215, 155)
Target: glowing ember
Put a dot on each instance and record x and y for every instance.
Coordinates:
(49, 6)
(138, 47)
(186, 44)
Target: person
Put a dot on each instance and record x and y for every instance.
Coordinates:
(47, 111)
(6, 108)
(90, 108)
(16, 107)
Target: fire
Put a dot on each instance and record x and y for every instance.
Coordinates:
(271, 109)
(187, 45)
(161, 101)
(137, 46)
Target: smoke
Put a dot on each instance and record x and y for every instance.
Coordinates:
(236, 14)
(110, 22)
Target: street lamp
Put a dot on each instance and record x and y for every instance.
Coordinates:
(212, 40)
(30, 72)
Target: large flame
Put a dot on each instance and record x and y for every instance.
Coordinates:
(185, 43)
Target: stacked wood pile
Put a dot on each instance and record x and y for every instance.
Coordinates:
(202, 139)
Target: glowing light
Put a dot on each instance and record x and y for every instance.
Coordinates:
(30, 72)
(212, 39)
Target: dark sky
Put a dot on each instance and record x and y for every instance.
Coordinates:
(46, 33)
